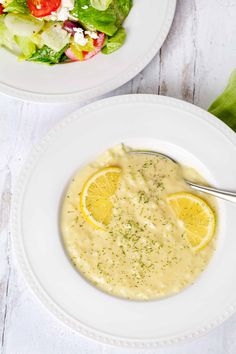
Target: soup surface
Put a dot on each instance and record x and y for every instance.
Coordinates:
(142, 252)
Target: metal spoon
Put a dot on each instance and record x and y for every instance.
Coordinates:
(226, 195)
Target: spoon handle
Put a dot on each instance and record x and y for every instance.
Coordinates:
(230, 196)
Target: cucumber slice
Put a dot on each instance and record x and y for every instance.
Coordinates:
(23, 25)
(55, 37)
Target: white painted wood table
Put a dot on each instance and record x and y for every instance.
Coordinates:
(194, 65)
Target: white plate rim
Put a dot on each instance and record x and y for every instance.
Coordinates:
(107, 86)
(21, 258)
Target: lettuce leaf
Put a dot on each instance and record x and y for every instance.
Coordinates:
(108, 21)
(224, 107)
(49, 56)
(26, 46)
(101, 5)
(115, 42)
(18, 6)
(6, 37)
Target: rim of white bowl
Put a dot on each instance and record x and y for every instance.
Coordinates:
(108, 86)
(21, 258)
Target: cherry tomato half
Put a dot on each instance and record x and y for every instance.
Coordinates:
(41, 8)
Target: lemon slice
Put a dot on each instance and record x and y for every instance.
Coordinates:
(96, 196)
(197, 218)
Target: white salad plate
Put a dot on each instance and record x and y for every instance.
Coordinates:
(147, 27)
(187, 133)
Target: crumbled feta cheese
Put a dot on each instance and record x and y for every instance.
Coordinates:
(85, 7)
(91, 34)
(68, 3)
(63, 13)
(79, 37)
(78, 30)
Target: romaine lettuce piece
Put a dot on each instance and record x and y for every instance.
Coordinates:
(23, 25)
(115, 42)
(37, 40)
(101, 5)
(49, 56)
(6, 38)
(55, 37)
(26, 46)
(18, 6)
(108, 21)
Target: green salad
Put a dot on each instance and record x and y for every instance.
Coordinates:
(57, 31)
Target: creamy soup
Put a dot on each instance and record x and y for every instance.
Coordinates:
(142, 254)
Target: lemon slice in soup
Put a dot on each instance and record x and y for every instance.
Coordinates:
(197, 217)
(96, 196)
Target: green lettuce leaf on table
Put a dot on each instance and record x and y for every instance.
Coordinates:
(224, 107)
(108, 21)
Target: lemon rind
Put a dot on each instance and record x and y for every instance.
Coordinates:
(85, 212)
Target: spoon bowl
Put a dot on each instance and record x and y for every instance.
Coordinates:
(218, 193)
